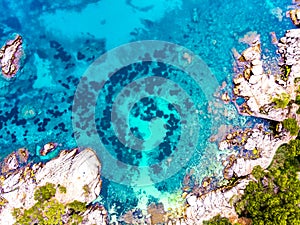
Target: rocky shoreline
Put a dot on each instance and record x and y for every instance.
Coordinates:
(258, 90)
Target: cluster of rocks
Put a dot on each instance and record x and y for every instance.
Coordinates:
(10, 57)
(218, 202)
(289, 49)
(69, 168)
(259, 89)
(258, 142)
(14, 160)
(156, 214)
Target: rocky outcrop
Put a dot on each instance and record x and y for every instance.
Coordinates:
(78, 172)
(220, 201)
(10, 57)
(261, 147)
(289, 49)
(214, 203)
(95, 215)
(262, 91)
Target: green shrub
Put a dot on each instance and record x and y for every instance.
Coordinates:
(291, 125)
(258, 172)
(217, 220)
(44, 193)
(281, 101)
(77, 206)
(62, 189)
(297, 101)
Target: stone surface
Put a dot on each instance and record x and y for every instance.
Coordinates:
(48, 148)
(95, 215)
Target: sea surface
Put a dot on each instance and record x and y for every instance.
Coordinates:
(136, 81)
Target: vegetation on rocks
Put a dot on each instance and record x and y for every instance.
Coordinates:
(62, 189)
(217, 220)
(282, 100)
(275, 197)
(297, 100)
(291, 125)
(48, 210)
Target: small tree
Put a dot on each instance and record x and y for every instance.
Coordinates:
(291, 125)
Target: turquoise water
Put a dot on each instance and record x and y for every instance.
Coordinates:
(62, 40)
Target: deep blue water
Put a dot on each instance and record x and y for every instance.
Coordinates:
(170, 121)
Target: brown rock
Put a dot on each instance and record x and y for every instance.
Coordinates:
(295, 16)
(157, 213)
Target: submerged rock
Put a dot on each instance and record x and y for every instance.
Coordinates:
(49, 147)
(157, 213)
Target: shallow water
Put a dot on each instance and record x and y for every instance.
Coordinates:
(171, 124)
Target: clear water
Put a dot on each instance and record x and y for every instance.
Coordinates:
(62, 40)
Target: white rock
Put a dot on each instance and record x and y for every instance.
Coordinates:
(253, 105)
(192, 200)
(238, 80)
(250, 145)
(254, 79)
(251, 53)
(95, 216)
(283, 40)
(290, 50)
(257, 70)
(223, 145)
(256, 62)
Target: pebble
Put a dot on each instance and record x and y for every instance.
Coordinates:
(282, 40)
